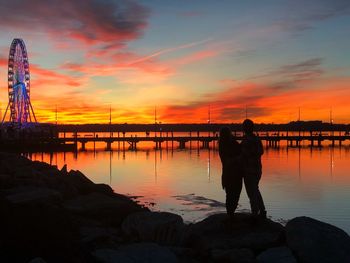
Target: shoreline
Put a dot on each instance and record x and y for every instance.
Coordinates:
(62, 216)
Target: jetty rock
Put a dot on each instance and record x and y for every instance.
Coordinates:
(315, 241)
(51, 215)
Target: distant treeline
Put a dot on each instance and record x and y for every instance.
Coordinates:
(214, 127)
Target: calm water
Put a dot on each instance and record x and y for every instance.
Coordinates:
(296, 181)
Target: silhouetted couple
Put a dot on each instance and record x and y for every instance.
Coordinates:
(242, 163)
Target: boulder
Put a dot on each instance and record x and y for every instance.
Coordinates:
(41, 166)
(9, 163)
(30, 229)
(110, 210)
(219, 232)
(315, 241)
(37, 260)
(277, 255)
(32, 195)
(82, 184)
(64, 169)
(160, 227)
(183, 254)
(136, 253)
(6, 181)
(95, 236)
(236, 255)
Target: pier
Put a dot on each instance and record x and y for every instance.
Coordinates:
(202, 141)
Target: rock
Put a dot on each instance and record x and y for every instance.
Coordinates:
(237, 255)
(136, 253)
(32, 195)
(9, 163)
(103, 188)
(6, 181)
(218, 232)
(23, 172)
(315, 241)
(31, 230)
(41, 166)
(160, 227)
(37, 260)
(57, 183)
(64, 169)
(182, 252)
(82, 184)
(100, 236)
(277, 255)
(109, 210)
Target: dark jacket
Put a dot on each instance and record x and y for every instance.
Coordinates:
(252, 149)
(229, 153)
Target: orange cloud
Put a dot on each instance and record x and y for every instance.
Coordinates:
(268, 103)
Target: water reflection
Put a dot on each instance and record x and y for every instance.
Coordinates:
(296, 181)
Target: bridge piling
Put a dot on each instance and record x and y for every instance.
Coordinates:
(109, 146)
(83, 146)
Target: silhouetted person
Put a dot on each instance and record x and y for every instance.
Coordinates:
(252, 150)
(229, 151)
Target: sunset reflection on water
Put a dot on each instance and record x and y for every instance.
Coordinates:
(296, 181)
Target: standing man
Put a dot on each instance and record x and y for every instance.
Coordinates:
(252, 150)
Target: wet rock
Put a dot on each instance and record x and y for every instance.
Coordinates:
(237, 255)
(218, 232)
(277, 255)
(315, 241)
(160, 227)
(136, 253)
(109, 210)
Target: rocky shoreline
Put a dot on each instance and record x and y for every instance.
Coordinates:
(52, 215)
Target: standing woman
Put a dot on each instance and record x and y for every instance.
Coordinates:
(229, 151)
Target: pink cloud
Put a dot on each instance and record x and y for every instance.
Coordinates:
(196, 56)
(105, 23)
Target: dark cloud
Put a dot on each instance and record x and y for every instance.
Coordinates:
(104, 22)
(291, 73)
(238, 113)
(300, 15)
(307, 69)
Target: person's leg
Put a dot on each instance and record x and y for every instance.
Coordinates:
(236, 188)
(230, 205)
(261, 205)
(251, 187)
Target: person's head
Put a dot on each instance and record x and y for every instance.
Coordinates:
(248, 126)
(225, 134)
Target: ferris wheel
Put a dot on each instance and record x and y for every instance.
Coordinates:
(21, 110)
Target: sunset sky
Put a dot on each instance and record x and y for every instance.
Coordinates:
(183, 57)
